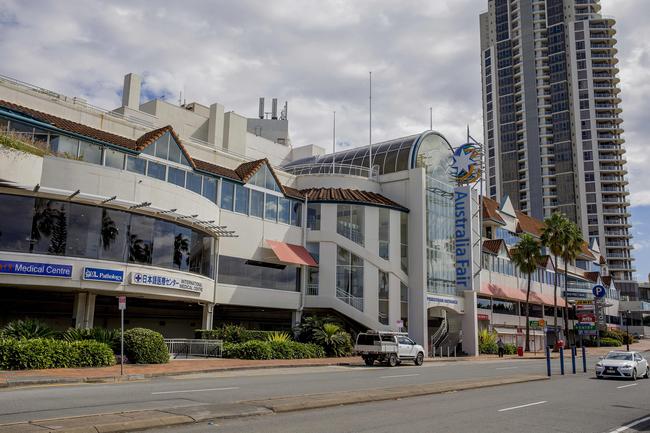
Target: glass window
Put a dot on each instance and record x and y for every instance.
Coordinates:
(163, 243)
(210, 189)
(176, 176)
(113, 235)
(349, 276)
(227, 195)
(313, 216)
(284, 210)
(404, 236)
(150, 150)
(241, 199)
(251, 273)
(271, 208)
(65, 146)
(181, 248)
(49, 233)
(257, 204)
(383, 297)
(384, 233)
(162, 146)
(136, 165)
(90, 152)
(156, 170)
(404, 304)
(349, 222)
(193, 182)
(484, 303)
(84, 225)
(505, 307)
(140, 239)
(196, 252)
(296, 213)
(113, 158)
(174, 151)
(16, 215)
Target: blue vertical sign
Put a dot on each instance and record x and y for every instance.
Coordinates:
(463, 235)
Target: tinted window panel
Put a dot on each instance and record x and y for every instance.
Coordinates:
(176, 176)
(271, 208)
(136, 165)
(174, 151)
(49, 233)
(65, 146)
(90, 153)
(162, 146)
(16, 214)
(113, 159)
(257, 204)
(241, 199)
(193, 182)
(284, 210)
(227, 195)
(84, 226)
(140, 239)
(242, 272)
(112, 238)
(156, 170)
(210, 188)
(163, 243)
(296, 213)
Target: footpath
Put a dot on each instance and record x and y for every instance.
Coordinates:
(188, 366)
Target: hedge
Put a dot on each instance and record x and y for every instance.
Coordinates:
(604, 342)
(256, 349)
(232, 334)
(144, 346)
(41, 353)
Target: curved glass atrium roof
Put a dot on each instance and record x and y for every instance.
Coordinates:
(428, 149)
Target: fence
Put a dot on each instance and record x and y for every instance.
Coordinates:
(193, 347)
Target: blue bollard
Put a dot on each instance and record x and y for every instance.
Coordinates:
(573, 359)
(584, 359)
(548, 361)
(562, 361)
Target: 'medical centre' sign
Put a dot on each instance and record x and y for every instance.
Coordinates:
(36, 269)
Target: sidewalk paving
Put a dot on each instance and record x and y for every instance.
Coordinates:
(183, 366)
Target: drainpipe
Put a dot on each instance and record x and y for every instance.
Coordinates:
(303, 276)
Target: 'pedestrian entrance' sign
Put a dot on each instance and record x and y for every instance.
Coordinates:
(121, 302)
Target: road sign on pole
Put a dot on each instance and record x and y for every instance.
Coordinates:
(599, 291)
(121, 305)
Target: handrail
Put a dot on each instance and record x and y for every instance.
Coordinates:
(440, 332)
(349, 299)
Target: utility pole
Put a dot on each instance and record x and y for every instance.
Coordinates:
(370, 125)
(334, 143)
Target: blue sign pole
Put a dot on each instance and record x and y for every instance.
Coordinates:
(584, 359)
(548, 361)
(573, 359)
(562, 361)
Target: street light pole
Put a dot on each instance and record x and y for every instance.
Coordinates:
(627, 330)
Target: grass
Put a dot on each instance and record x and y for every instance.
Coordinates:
(14, 141)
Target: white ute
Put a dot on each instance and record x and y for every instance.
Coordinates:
(389, 347)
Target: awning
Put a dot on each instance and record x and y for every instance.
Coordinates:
(513, 331)
(515, 294)
(290, 253)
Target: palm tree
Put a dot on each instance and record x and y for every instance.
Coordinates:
(570, 251)
(554, 236)
(526, 257)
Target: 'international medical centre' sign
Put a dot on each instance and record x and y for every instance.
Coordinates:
(35, 269)
(153, 280)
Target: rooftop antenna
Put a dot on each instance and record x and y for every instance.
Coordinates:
(370, 124)
(430, 118)
(334, 143)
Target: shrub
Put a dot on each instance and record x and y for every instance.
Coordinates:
(333, 339)
(276, 336)
(604, 342)
(253, 349)
(144, 346)
(312, 323)
(232, 334)
(28, 328)
(40, 353)
(487, 342)
(111, 337)
(510, 349)
(619, 335)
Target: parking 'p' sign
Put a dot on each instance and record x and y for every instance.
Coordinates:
(599, 291)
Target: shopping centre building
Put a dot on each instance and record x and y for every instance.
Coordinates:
(201, 216)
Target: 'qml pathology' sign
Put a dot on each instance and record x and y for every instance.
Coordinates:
(153, 280)
(99, 274)
(35, 269)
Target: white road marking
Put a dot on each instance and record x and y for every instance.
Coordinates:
(505, 368)
(626, 386)
(194, 390)
(628, 426)
(399, 375)
(523, 405)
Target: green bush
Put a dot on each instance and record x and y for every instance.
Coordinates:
(29, 329)
(111, 337)
(487, 342)
(276, 336)
(232, 334)
(333, 339)
(41, 353)
(604, 342)
(619, 335)
(144, 346)
(510, 349)
(255, 349)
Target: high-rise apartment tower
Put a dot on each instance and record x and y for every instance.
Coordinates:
(552, 120)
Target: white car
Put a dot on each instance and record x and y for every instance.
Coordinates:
(622, 364)
(388, 347)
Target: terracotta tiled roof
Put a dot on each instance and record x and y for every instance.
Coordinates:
(151, 136)
(602, 260)
(607, 280)
(216, 169)
(585, 251)
(248, 169)
(546, 262)
(491, 210)
(592, 276)
(70, 126)
(295, 193)
(493, 245)
(529, 224)
(349, 196)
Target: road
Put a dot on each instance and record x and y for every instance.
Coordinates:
(571, 404)
(82, 399)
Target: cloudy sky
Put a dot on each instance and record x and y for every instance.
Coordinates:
(315, 54)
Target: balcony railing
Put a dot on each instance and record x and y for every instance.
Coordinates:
(311, 289)
(335, 169)
(349, 299)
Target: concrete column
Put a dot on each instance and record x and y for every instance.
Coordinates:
(83, 310)
(394, 305)
(296, 319)
(234, 133)
(470, 324)
(208, 316)
(131, 91)
(417, 259)
(215, 125)
(371, 290)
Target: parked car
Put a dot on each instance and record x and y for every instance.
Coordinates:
(622, 364)
(388, 347)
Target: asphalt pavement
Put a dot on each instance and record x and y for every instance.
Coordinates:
(571, 404)
(41, 402)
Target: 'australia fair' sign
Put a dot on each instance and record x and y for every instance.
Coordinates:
(154, 280)
(466, 236)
